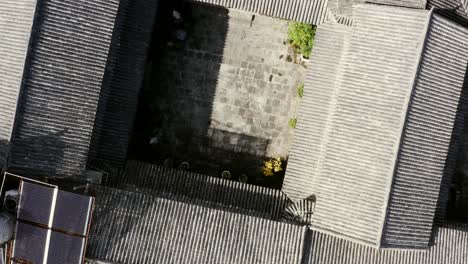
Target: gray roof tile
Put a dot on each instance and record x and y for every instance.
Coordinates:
(309, 11)
(344, 7)
(454, 9)
(136, 228)
(122, 81)
(204, 190)
(450, 247)
(358, 132)
(343, 10)
(427, 136)
(62, 85)
(352, 146)
(313, 115)
(421, 4)
(16, 18)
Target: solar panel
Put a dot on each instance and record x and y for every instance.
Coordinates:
(72, 212)
(66, 249)
(52, 225)
(30, 243)
(36, 203)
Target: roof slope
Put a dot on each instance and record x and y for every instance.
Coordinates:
(320, 83)
(343, 7)
(122, 81)
(372, 129)
(343, 10)
(456, 154)
(309, 11)
(204, 190)
(403, 3)
(427, 136)
(455, 9)
(450, 247)
(62, 84)
(136, 228)
(352, 171)
(16, 19)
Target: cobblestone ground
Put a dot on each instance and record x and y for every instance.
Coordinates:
(257, 86)
(228, 91)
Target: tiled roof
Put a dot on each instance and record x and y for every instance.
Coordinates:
(330, 40)
(425, 142)
(122, 81)
(16, 18)
(309, 11)
(343, 10)
(136, 228)
(343, 7)
(353, 148)
(300, 211)
(450, 247)
(455, 9)
(404, 3)
(364, 127)
(344, 20)
(321, 127)
(204, 190)
(62, 84)
(459, 150)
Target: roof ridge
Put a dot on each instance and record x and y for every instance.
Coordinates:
(337, 83)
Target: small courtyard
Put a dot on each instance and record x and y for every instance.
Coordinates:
(221, 94)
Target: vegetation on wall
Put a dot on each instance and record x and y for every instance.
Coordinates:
(293, 122)
(300, 91)
(301, 37)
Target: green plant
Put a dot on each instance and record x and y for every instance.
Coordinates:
(272, 166)
(300, 91)
(292, 122)
(301, 37)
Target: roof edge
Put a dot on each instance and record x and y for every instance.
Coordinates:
(345, 237)
(18, 95)
(421, 5)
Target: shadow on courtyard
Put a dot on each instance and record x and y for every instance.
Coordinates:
(175, 121)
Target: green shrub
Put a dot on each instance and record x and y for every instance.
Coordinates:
(292, 122)
(301, 37)
(300, 91)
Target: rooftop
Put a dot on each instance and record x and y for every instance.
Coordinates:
(373, 161)
(375, 97)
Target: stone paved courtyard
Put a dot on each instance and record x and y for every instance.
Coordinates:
(223, 98)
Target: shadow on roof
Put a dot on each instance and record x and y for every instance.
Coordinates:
(35, 148)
